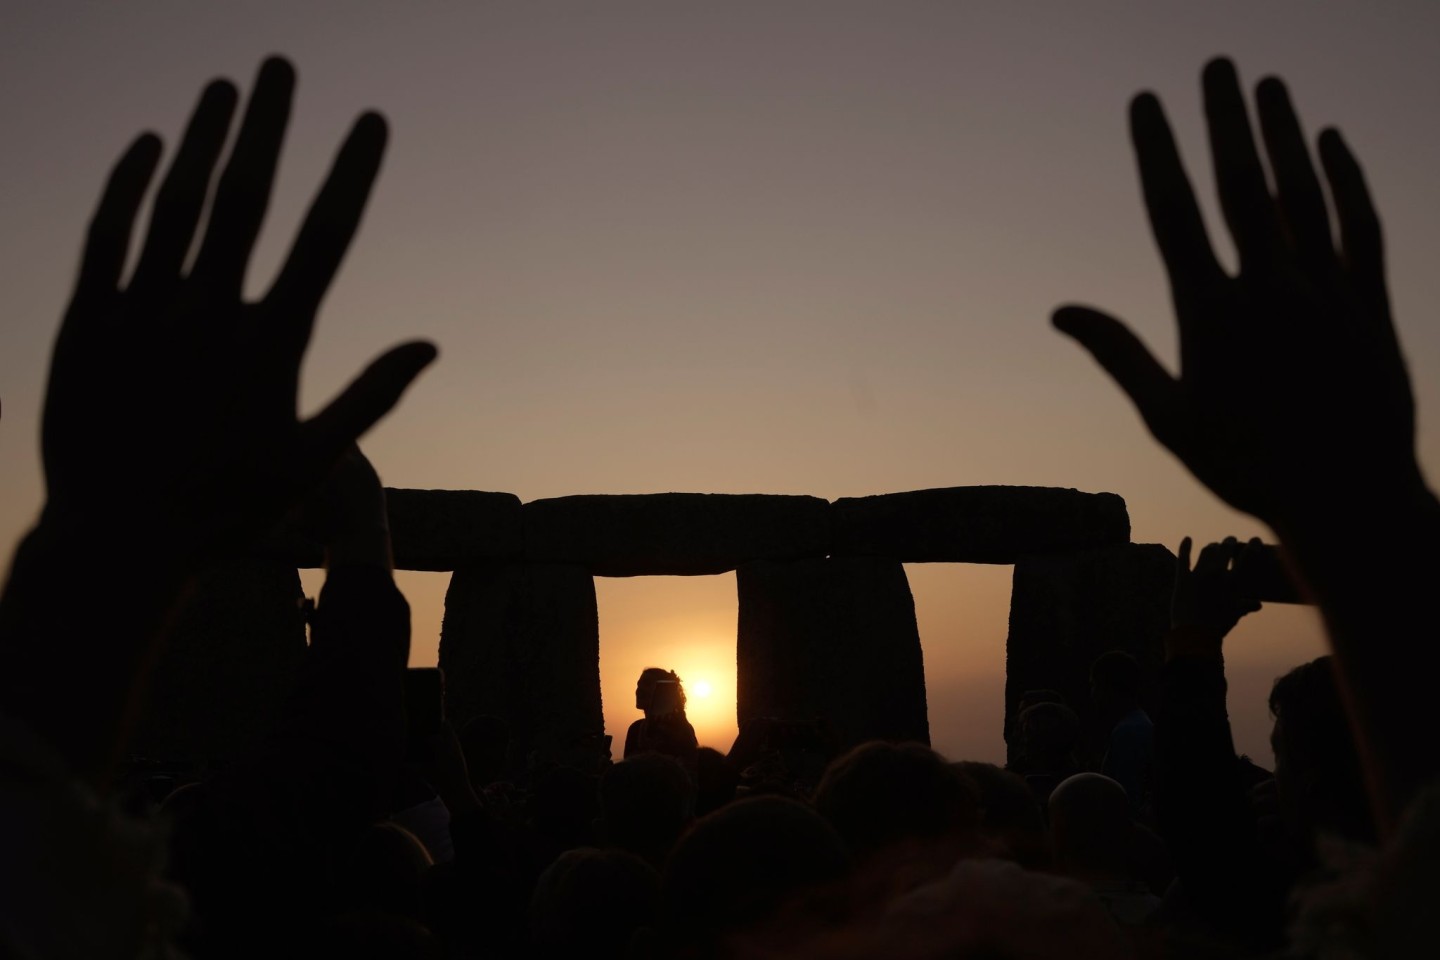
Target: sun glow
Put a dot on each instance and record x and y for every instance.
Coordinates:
(685, 624)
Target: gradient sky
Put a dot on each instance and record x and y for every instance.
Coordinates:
(799, 248)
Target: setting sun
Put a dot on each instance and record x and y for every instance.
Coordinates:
(700, 688)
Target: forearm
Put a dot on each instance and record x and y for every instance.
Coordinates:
(1201, 806)
(77, 639)
(1373, 571)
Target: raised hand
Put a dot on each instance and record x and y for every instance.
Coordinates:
(1209, 600)
(1291, 380)
(172, 401)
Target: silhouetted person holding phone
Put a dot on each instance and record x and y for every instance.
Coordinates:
(664, 728)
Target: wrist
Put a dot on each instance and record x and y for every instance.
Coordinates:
(1381, 504)
(1194, 640)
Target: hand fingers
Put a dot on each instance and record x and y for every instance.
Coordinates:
(1254, 549)
(1360, 238)
(1302, 204)
(244, 190)
(1214, 558)
(372, 394)
(1122, 355)
(1184, 556)
(182, 195)
(1170, 201)
(328, 229)
(108, 240)
(1244, 195)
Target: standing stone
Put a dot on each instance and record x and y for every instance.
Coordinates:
(521, 641)
(835, 639)
(1067, 609)
(224, 675)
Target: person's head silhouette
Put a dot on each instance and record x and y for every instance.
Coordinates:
(659, 693)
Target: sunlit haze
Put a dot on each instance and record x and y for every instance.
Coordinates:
(800, 248)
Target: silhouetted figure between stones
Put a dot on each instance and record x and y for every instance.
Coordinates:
(664, 728)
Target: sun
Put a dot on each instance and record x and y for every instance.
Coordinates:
(700, 688)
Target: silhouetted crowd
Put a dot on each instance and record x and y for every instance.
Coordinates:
(365, 825)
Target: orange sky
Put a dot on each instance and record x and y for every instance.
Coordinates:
(801, 247)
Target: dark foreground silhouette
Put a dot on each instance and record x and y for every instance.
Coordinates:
(365, 826)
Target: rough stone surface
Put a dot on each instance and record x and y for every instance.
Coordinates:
(835, 639)
(225, 672)
(522, 642)
(978, 524)
(674, 533)
(430, 530)
(1066, 610)
(450, 529)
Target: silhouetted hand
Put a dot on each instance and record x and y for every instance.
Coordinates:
(1291, 380)
(1208, 602)
(172, 401)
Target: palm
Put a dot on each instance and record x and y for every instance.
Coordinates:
(1289, 362)
(175, 400)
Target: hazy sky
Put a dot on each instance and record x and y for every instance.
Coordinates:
(734, 247)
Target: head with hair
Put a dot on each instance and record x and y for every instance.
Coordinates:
(646, 802)
(589, 903)
(741, 864)
(716, 781)
(1090, 827)
(1049, 733)
(882, 795)
(384, 870)
(645, 687)
(1010, 816)
(1317, 766)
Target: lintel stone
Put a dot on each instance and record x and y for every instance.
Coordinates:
(987, 524)
(668, 534)
(430, 530)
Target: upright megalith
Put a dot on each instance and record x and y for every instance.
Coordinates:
(227, 668)
(674, 533)
(833, 639)
(1067, 609)
(521, 641)
(978, 524)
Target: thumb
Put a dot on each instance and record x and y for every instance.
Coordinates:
(1122, 355)
(333, 430)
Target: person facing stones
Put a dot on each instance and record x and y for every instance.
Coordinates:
(664, 728)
